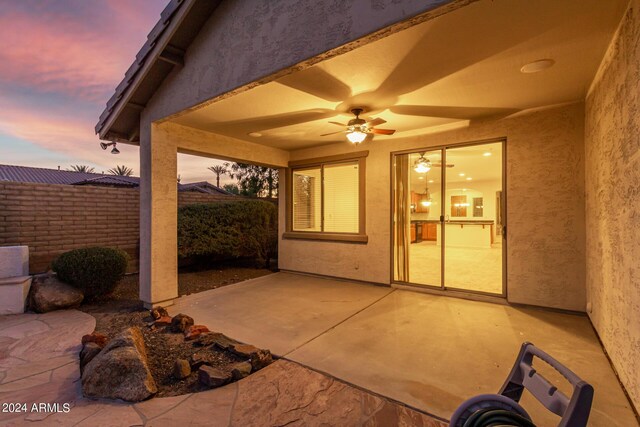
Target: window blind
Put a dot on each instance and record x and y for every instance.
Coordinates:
(307, 202)
(341, 198)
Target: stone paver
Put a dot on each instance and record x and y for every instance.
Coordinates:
(39, 364)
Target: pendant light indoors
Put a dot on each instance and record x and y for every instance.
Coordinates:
(422, 165)
(425, 199)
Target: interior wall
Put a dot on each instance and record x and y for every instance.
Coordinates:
(545, 207)
(612, 143)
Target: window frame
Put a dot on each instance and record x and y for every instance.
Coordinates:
(361, 235)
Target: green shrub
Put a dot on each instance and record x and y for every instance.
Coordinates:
(228, 230)
(95, 271)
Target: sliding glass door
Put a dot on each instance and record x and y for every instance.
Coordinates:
(448, 209)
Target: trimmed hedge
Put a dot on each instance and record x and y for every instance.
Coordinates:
(228, 230)
(95, 271)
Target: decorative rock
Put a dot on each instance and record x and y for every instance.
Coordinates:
(181, 369)
(121, 370)
(244, 350)
(158, 313)
(223, 342)
(89, 351)
(241, 370)
(97, 338)
(212, 377)
(196, 360)
(163, 321)
(194, 331)
(207, 338)
(48, 293)
(260, 359)
(181, 323)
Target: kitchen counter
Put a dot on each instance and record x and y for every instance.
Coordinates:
(460, 233)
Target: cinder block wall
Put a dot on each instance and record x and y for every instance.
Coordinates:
(52, 219)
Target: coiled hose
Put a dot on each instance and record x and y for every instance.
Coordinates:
(491, 417)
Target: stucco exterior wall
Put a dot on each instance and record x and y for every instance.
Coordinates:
(612, 136)
(545, 208)
(246, 41)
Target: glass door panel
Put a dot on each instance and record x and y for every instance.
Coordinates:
(417, 214)
(473, 229)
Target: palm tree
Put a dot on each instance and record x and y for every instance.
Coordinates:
(218, 170)
(81, 168)
(121, 170)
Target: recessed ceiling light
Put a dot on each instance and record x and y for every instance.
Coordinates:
(421, 177)
(430, 180)
(464, 189)
(460, 174)
(469, 179)
(536, 66)
(255, 134)
(487, 154)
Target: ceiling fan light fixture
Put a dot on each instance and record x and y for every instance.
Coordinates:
(422, 165)
(356, 136)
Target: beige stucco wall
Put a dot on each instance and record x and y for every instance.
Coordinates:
(545, 208)
(612, 136)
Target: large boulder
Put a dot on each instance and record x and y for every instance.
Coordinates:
(121, 370)
(48, 293)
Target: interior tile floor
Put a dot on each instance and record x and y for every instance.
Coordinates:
(429, 352)
(473, 269)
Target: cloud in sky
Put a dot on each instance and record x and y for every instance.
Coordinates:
(61, 61)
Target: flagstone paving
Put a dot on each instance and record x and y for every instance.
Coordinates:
(39, 365)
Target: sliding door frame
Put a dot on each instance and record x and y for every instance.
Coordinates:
(443, 149)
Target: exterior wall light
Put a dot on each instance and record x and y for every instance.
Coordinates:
(114, 150)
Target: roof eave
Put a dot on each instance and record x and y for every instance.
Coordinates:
(157, 48)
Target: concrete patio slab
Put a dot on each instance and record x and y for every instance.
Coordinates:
(433, 352)
(281, 311)
(282, 393)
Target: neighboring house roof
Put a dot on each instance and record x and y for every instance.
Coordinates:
(164, 49)
(202, 187)
(43, 175)
(53, 176)
(112, 180)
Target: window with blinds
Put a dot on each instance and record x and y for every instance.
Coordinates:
(326, 198)
(341, 198)
(307, 200)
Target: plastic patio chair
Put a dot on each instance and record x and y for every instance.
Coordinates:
(574, 410)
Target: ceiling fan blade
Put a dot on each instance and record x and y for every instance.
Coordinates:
(383, 131)
(439, 165)
(317, 82)
(339, 124)
(332, 133)
(375, 122)
(259, 124)
(463, 113)
(368, 138)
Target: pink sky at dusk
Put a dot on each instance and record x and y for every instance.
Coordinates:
(61, 61)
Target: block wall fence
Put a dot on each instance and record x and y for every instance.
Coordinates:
(52, 219)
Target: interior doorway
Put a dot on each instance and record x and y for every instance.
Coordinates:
(449, 218)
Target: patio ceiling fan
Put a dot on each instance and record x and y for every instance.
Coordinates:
(358, 129)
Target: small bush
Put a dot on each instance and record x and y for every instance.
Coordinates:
(95, 271)
(229, 230)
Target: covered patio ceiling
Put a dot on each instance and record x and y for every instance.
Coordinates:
(461, 66)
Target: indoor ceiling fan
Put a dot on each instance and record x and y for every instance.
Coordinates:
(424, 165)
(358, 129)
